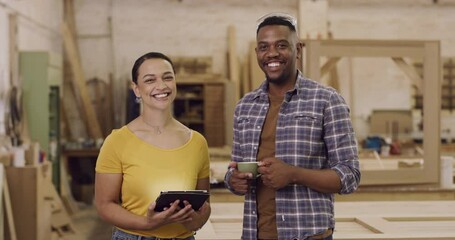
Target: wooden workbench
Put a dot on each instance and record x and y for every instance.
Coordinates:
(356, 220)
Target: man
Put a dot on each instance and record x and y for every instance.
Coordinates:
(301, 134)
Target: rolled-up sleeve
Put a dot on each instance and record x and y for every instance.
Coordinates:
(341, 143)
(235, 154)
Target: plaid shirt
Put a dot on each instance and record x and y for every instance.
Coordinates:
(313, 131)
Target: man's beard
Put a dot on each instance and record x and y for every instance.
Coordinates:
(278, 80)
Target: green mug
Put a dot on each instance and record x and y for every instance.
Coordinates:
(251, 167)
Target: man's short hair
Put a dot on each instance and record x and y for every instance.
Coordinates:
(277, 19)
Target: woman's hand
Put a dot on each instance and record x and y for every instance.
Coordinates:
(198, 217)
(173, 214)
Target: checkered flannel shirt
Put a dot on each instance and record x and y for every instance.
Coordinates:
(314, 131)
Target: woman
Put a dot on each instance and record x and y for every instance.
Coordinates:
(152, 153)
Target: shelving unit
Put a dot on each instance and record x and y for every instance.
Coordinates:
(447, 87)
(200, 106)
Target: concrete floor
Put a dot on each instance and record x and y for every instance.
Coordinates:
(88, 226)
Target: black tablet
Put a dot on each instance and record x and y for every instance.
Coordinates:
(195, 197)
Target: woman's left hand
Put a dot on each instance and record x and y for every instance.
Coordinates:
(198, 217)
(173, 214)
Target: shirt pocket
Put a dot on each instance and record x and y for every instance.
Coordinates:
(245, 128)
(307, 130)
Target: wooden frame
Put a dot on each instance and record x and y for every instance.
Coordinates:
(362, 220)
(429, 51)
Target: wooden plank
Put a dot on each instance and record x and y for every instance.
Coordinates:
(71, 103)
(60, 219)
(410, 72)
(109, 105)
(5, 204)
(79, 81)
(357, 220)
(234, 72)
(99, 93)
(246, 83)
(334, 80)
(329, 65)
(70, 18)
(431, 110)
(65, 190)
(256, 74)
(371, 51)
(373, 224)
(31, 211)
(312, 59)
(370, 48)
(14, 52)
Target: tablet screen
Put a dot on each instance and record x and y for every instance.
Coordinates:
(195, 197)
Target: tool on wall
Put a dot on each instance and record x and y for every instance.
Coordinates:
(14, 117)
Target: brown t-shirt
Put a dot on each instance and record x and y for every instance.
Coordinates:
(266, 195)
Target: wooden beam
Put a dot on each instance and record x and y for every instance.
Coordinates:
(432, 110)
(234, 73)
(369, 48)
(327, 67)
(371, 51)
(312, 59)
(334, 79)
(331, 63)
(69, 17)
(110, 106)
(74, 105)
(257, 76)
(13, 54)
(246, 83)
(80, 82)
(410, 72)
(7, 206)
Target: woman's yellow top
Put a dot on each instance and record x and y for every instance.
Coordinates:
(147, 170)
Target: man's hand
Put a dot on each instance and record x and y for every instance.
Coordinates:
(275, 173)
(239, 181)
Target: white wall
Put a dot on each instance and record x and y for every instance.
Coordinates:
(38, 24)
(176, 28)
(38, 29)
(199, 28)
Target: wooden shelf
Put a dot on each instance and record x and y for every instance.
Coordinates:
(200, 106)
